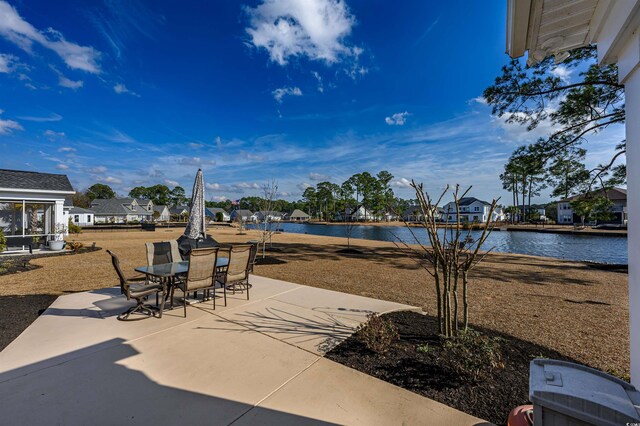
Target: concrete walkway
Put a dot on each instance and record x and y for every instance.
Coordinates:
(252, 362)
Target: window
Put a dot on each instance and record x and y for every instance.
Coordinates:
(76, 218)
(22, 218)
(88, 218)
(476, 209)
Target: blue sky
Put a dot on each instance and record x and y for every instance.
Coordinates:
(252, 91)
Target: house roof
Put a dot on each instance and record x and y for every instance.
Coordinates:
(298, 213)
(242, 212)
(159, 209)
(117, 206)
(269, 213)
(80, 210)
(215, 210)
(465, 201)
(17, 179)
(611, 194)
(178, 209)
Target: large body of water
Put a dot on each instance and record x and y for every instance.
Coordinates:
(561, 246)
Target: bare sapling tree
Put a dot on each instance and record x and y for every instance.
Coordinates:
(265, 217)
(241, 225)
(348, 225)
(449, 254)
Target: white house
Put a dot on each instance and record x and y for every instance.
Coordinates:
(268, 215)
(471, 210)
(163, 213)
(544, 28)
(299, 216)
(244, 215)
(356, 215)
(31, 206)
(81, 217)
(212, 213)
(617, 196)
(121, 210)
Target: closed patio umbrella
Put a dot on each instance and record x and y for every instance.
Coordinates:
(195, 234)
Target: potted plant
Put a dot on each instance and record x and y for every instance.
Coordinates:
(58, 243)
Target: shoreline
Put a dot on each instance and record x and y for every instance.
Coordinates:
(553, 229)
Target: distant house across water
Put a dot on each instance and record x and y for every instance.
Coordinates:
(471, 210)
(618, 196)
(299, 216)
(212, 214)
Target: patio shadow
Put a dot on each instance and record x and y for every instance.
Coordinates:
(75, 388)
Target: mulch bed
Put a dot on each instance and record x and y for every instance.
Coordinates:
(21, 263)
(424, 372)
(18, 312)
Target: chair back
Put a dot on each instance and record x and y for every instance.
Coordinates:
(252, 255)
(158, 253)
(175, 251)
(202, 267)
(116, 265)
(239, 262)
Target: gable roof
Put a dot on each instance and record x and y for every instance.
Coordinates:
(80, 210)
(465, 201)
(298, 213)
(611, 194)
(178, 209)
(118, 206)
(215, 210)
(17, 179)
(241, 212)
(159, 209)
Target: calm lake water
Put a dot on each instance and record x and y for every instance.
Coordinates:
(561, 246)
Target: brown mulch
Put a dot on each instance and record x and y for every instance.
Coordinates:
(18, 312)
(569, 307)
(427, 372)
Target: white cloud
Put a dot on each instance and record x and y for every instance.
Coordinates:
(8, 126)
(218, 142)
(7, 62)
(480, 99)
(66, 149)
(319, 176)
(562, 72)
(246, 185)
(70, 84)
(303, 186)
(315, 29)
(278, 94)
(194, 145)
(122, 89)
(195, 161)
(15, 29)
(171, 182)
(402, 183)
(219, 198)
(318, 77)
(98, 169)
(53, 134)
(61, 166)
(111, 179)
(51, 117)
(397, 119)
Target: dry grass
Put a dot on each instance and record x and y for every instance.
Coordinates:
(566, 306)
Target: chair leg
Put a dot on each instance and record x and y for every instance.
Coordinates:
(213, 296)
(248, 288)
(224, 291)
(184, 304)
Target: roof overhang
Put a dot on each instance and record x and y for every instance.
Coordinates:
(37, 191)
(554, 27)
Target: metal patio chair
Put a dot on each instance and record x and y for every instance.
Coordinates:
(138, 289)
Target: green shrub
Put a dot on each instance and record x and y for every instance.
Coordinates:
(219, 217)
(472, 355)
(3, 241)
(73, 228)
(377, 333)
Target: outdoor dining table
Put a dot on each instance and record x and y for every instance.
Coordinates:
(167, 272)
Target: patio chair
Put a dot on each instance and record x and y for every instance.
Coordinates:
(137, 289)
(201, 275)
(236, 276)
(254, 253)
(159, 253)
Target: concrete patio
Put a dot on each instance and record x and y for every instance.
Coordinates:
(252, 362)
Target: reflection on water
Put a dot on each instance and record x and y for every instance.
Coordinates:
(561, 246)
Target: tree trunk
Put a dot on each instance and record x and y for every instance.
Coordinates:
(465, 299)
